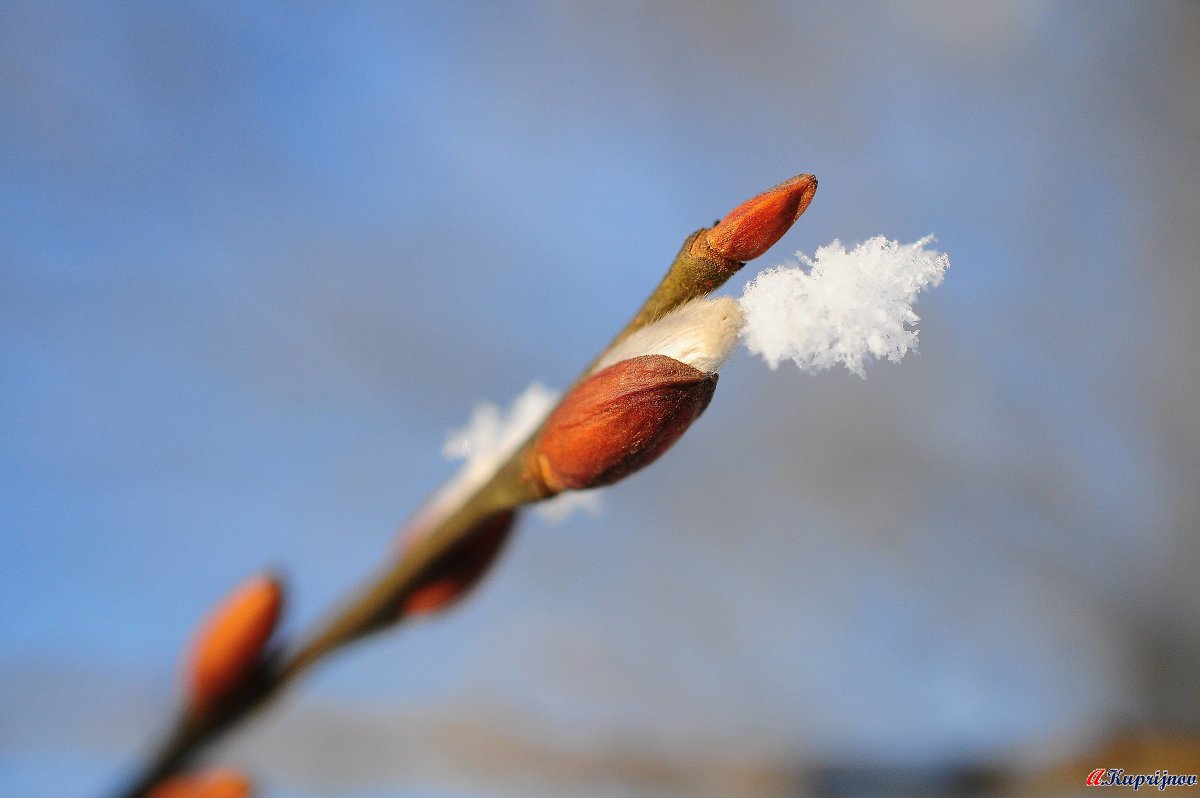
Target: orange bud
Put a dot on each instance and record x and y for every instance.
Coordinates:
(753, 227)
(618, 420)
(213, 784)
(452, 576)
(231, 639)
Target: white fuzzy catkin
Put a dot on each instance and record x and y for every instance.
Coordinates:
(491, 436)
(700, 333)
(849, 306)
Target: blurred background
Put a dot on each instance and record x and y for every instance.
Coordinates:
(254, 264)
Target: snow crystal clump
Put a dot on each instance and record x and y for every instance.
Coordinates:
(849, 306)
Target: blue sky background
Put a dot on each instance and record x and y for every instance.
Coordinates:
(254, 263)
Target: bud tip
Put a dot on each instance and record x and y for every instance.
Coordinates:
(757, 224)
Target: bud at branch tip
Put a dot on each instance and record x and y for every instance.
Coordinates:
(757, 224)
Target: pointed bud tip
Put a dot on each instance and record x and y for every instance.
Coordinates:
(757, 224)
(230, 640)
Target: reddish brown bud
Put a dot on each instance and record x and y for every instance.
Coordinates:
(213, 784)
(231, 639)
(753, 227)
(618, 420)
(453, 576)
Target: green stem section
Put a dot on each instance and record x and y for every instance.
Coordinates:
(696, 272)
(377, 605)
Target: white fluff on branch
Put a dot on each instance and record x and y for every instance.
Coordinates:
(491, 436)
(849, 306)
(700, 333)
